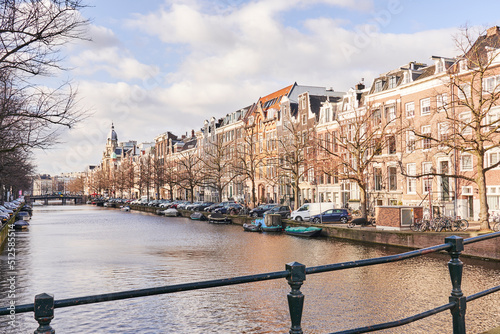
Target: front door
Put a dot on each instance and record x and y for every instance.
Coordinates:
(445, 181)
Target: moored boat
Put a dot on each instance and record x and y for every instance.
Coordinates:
(218, 218)
(198, 216)
(272, 228)
(252, 227)
(125, 208)
(171, 213)
(302, 231)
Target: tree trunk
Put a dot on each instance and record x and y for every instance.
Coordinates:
(483, 200)
(362, 201)
(253, 193)
(296, 191)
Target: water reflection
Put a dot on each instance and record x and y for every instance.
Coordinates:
(77, 251)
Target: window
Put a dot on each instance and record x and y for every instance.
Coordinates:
(441, 101)
(443, 132)
(464, 92)
(410, 141)
(490, 84)
(391, 145)
(410, 109)
(465, 119)
(390, 113)
(466, 162)
(393, 178)
(492, 119)
(427, 180)
(377, 117)
(493, 158)
(377, 179)
(439, 66)
(393, 81)
(304, 119)
(379, 85)
(411, 169)
(426, 142)
(425, 106)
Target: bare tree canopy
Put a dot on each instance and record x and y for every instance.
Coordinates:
(32, 33)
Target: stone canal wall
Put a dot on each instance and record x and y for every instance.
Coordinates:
(489, 249)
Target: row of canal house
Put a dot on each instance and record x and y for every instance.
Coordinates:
(310, 143)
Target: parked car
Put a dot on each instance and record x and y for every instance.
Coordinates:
(259, 211)
(310, 209)
(202, 206)
(332, 215)
(191, 206)
(229, 208)
(282, 210)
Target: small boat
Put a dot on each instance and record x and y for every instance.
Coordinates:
(125, 208)
(198, 216)
(273, 228)
(301, 231)
(21, 225)
(252, 227)
(171, 212)
(218, 218)
(265, 228)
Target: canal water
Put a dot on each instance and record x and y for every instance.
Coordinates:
(73, 251)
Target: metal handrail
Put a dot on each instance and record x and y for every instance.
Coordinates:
(295, 274)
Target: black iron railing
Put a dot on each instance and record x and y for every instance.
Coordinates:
(295, 273)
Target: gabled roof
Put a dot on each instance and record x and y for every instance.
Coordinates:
(273, 100)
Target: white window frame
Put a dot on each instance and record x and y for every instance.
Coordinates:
(426, 130)
(426, 181)
(410, 109)
(466, 163)
(425, 106)
(441, 101)
(465, 88)
(390, 112)
(411, 182)
(466, 117)
(410, 141)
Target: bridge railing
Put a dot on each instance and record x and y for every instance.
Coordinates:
(295, 274)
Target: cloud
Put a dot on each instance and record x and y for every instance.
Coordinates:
(214, 62)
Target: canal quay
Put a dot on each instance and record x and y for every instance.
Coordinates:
(74, 251)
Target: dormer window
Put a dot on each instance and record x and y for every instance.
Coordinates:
(393, 81)
(439, 66)
(463, 65)
(493, 55)
(379, 85)
(407, 77)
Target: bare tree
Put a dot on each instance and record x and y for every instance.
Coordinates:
(248, 160)
(171, 176)
(471, 117)
(217, 165)
(348, 151)
(294, 141)
(189, 171)
(77, 185)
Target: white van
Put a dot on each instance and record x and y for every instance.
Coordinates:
(310, 209)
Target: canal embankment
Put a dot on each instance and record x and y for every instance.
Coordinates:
(488, 249)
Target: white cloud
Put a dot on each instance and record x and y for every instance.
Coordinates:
(227, 60)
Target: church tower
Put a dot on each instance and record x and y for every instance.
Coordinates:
(111, 143)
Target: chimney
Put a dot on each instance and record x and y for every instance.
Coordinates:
(492, 31)
(192, 133)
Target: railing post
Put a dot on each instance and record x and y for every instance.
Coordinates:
(455, 267)
(296, 276)
(44, 313)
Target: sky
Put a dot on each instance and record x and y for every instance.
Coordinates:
(167, 65)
